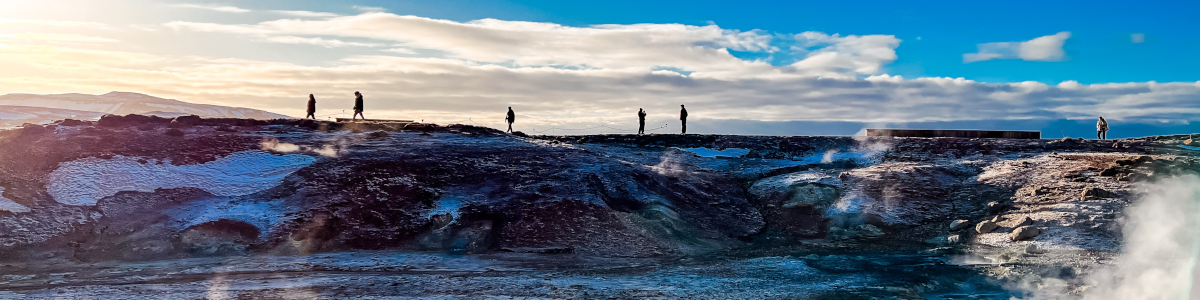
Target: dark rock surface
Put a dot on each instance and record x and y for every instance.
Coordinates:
(304, 187)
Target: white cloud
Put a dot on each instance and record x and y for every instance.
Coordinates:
(444, 90)
(34, 37)
(220, 8)
(1045, 48)
(703, 50)
(556, 74)
(328, 43)
(370, 9)
(52, 23)
(401, 51)
(305, 13)
(861, 54)
(1137, 38)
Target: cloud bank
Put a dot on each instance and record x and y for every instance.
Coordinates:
(412, 67)
(1046, 48)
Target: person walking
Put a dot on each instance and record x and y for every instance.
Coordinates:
(641, 121)
(1101, 129)
(683, 117)
(510, 118)
(358, 106)
(312, 107)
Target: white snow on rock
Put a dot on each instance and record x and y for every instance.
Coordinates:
(85, 181)
(9, 205)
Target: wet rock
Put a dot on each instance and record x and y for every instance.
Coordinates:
(1024, 233)
(1111, 171)
(957, 225)
(901, 194)
(220, 237)
(995, 207)
(1094, 193)
(377, 134)
(1015, 222)
(986, 227)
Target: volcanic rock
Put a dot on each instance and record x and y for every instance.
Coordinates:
(986, 227)
(1024, 233)
(957, 225)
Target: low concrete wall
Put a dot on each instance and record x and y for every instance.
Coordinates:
(983, 134)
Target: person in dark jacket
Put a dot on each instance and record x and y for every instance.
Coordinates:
(1101, 129)
(683, 117)
(312, 107)
(510, 118)
(641, 121)
(358, 107)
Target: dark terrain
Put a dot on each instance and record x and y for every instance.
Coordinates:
(194, 208)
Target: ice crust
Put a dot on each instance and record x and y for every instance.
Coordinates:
(9, 205)
(85, 181)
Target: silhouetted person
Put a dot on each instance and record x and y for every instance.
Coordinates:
(1101, 129)
(683, 117)
(312, 107)
(512, 117)
(641, 121)
(358, 107)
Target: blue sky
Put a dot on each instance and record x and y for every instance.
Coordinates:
(751, 67)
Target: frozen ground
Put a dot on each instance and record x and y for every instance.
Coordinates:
(85, 181)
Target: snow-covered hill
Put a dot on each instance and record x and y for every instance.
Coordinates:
(33, 108)
(11, 115)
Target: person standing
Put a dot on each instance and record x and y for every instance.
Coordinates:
(358, 106)
(510, 118)
(1101, 129)
(683, 117)
(312, 107)
(641, 121)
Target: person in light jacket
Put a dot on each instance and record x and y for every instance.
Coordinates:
(1101, 129)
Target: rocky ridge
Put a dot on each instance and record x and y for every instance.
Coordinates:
(191, 187)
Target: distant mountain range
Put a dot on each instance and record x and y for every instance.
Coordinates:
(17, 109)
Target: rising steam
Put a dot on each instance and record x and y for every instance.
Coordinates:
(1162, 240)
(1159, 254)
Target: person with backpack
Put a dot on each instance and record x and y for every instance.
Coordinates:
(358, 106)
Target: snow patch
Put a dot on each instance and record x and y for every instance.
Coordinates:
(11, 206)
(705, 152)
(85, 181)
(266, 215)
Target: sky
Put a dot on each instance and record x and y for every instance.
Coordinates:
(746, 67)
